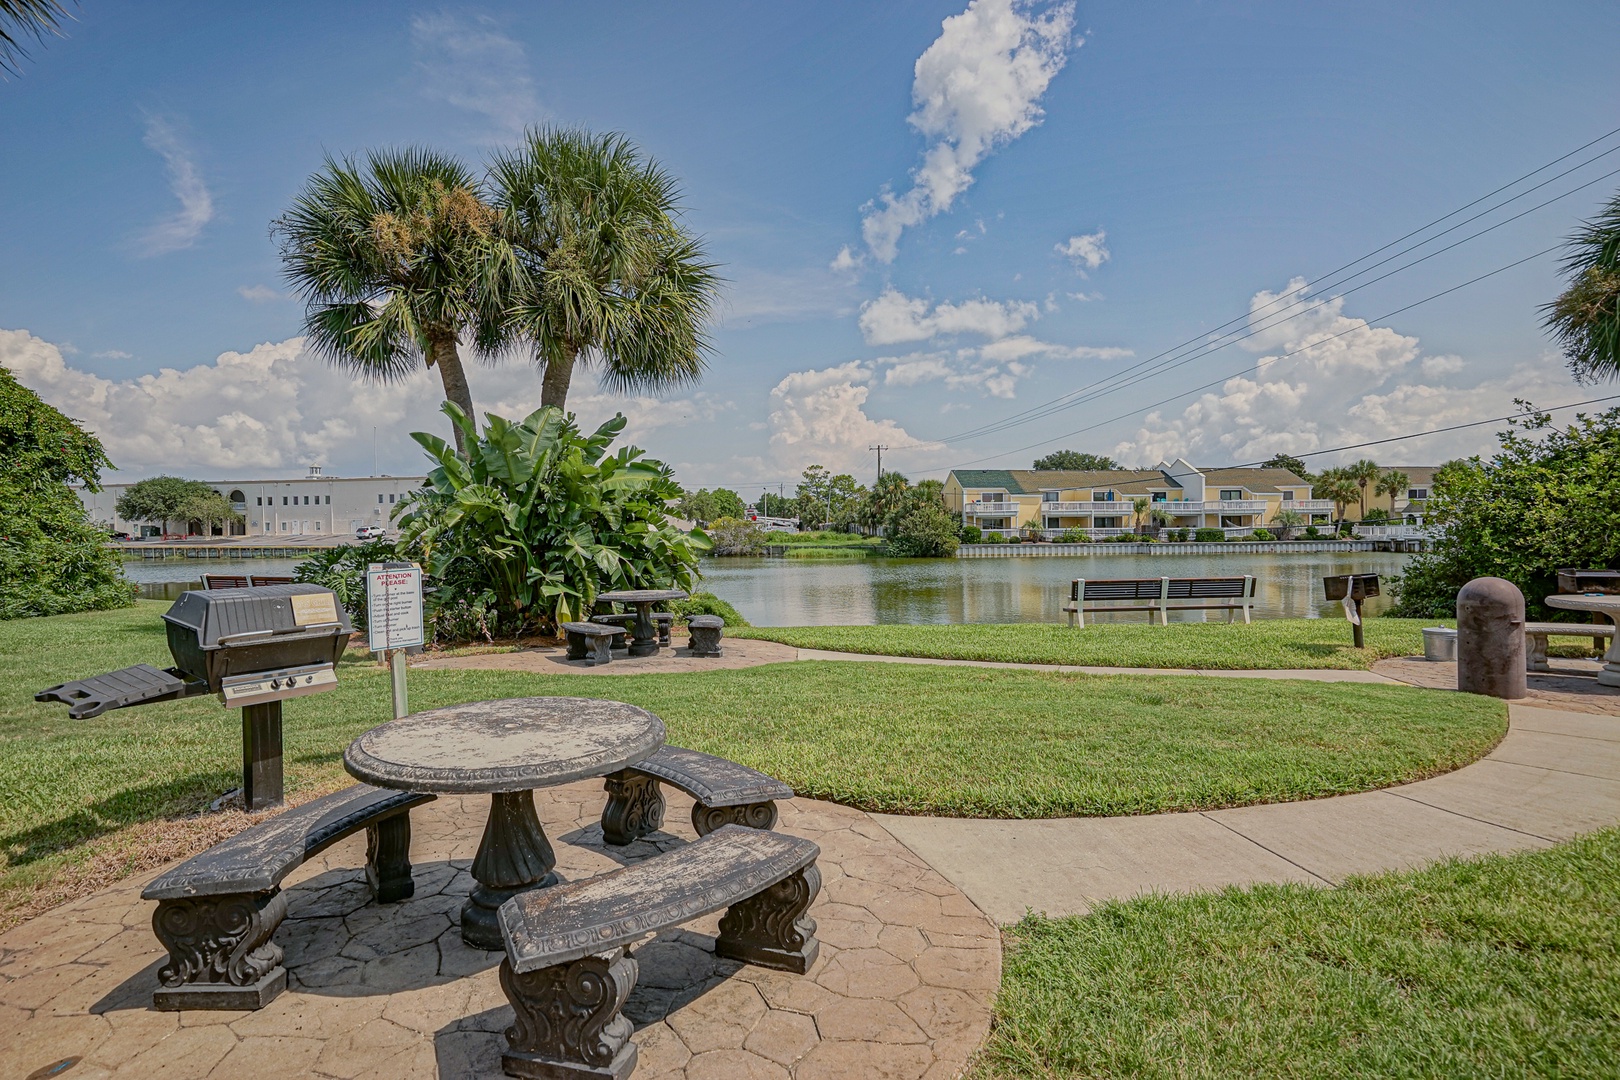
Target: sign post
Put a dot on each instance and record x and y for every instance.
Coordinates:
(394, 620)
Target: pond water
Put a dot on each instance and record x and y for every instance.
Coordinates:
(814, 592)
(811, 592)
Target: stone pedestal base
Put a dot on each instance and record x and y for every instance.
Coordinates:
(532, 1065)
(221, 996)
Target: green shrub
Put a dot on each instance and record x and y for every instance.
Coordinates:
(734, 536)
(970, 534)
(994, 538)
(1313, 533)
(706, 603)
(1075, 535)
(343, 570)
(1261, 534)
(927, 532)
(1209, 536)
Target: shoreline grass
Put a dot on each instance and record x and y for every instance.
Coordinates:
(1506, 965)
(1267, 643)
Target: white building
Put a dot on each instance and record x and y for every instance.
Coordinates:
(314, 505)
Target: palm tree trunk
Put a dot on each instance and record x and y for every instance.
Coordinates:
(554, 383)
(444, 355)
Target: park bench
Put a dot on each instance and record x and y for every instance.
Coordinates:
(1536, 634)
(663, 620)
(566, 972)
(597, 636)
(217, 910)
(726, 793)
(224, 581)
(1230, 594)
(260, 580)
(703, 634)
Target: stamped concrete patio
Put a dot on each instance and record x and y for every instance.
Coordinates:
(901, 989)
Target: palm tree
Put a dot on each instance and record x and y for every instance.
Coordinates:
(1139, 512)
(26, 18)
(1335, 484)
(1287, 520)
(606, 273)
(394, 260)
(1586, 316)
(1392, 483)
(1363, 472)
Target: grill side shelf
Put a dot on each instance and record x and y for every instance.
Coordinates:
(138, 685)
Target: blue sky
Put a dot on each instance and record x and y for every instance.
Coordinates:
(1073, 188)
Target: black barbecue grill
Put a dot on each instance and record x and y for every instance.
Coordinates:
(253, 647)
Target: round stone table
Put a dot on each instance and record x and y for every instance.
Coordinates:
(505, 748)
(1603, 605)
(644, 641)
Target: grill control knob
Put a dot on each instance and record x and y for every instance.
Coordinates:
(275, 684)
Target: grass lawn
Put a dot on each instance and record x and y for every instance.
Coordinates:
(1500, 966)
(1269, 643)
(894, 737)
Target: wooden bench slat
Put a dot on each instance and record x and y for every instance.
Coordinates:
(546, 927)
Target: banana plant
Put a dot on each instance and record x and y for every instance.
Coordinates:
(544, 518)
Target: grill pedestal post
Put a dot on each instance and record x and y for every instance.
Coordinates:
(261, 755)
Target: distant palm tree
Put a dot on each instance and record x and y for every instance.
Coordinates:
(1287, 520)
(607, 274)
(1335, 484)
(1363, 472)
(1586, 316)
(26, 18)
(1392, 483)
(393, 261)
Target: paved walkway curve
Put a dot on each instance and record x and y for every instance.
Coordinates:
(1556, 774)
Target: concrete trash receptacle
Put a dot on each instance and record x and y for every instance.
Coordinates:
(1439, 643)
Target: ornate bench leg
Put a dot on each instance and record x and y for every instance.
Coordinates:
(635, 807)
(1535, 653)
(704, 640)
(759, 815)
(771, 929)
(602, 650)
(663, 632)
(576, 646)
(567, 1019)
(220, 952)
(388, 859)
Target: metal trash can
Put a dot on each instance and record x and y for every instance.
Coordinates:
(1439, 643)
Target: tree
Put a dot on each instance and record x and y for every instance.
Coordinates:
(926, 532)
(53, 560)
(164, 499)
(26, 18)
(735, 536)
(537, 518)
(1287, 520)
(1075, 460)
(1544, 501)
(704, 505)
(1363, 472)
(394, 261)
(1393, 484)
(1335, 484)
(777, 506)
(883, 504)
(1139, 511)
(208, 510)
(1289, 462)
(605, 273)
(1585, 318)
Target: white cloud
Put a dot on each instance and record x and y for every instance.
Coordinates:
(819, 416)
(977, 87)
(895, 317)
(1087, 251)
(1085, 298)
(469, 63)
(757, 296)
(1016, 348)
(108, 354)
(258, 294)
(1329, 379)
(277, 407)
(182, 228)
(846, 262)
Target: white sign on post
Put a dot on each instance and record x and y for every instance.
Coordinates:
(393, 606)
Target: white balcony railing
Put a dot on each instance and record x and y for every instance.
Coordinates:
(1309, 506)
(1390, 532)
(991, 509)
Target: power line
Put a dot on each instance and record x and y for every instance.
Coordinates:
(1273, 359)
(1440, 430)
(1044, 409)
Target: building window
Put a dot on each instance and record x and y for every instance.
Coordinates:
(259, 501)
(329, 500)
(1158, 496)
(390, 499)
(1288, 496)
(1231, 494)
(1050, 496)
(1106, 522)
(1417, 493)
(1102, 496)
(379, 498)
(284, 500)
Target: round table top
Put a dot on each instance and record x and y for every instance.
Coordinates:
(641, 596)
(1609, 605)
(510, 745)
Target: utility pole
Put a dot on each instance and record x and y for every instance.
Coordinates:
(879, 450)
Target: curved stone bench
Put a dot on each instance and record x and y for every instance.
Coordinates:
(598, 636)
(217, 910)
(704, 634)
(566, 972)
(726, 793)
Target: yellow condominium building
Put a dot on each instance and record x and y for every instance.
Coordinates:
(1236, 501)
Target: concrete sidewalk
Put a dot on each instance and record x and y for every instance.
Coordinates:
(1556, 774)
(1310, 674)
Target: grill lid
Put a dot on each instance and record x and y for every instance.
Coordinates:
(222, 618)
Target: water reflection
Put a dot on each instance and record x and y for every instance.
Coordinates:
(794, 592)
